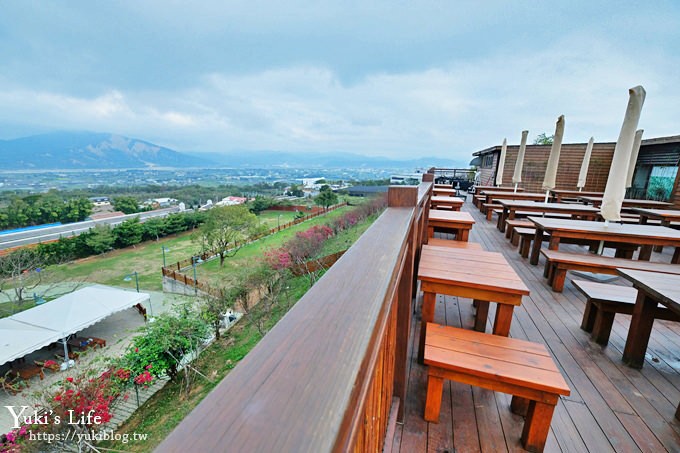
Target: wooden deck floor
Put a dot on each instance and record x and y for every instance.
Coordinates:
(611, 408)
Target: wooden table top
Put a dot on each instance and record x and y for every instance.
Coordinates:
(469, 268)
(672, 215)
(575, 193)
(450, 192)
(447, 200)
(664, 288)
(546, 207)
(498, 189)
(513, 195)
(629, 202)
(590, 227)
(451, 216)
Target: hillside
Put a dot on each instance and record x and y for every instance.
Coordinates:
(88, 150)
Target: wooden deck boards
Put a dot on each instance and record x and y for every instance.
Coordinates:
(612, 407)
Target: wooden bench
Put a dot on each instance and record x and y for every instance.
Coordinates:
(477, 200)
(603, 301)
(558, 263)
(526, 235)
(454, 244)
(510, 224)
(520, 368)
(487, 208)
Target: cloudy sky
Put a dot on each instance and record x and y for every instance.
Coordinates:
(394, 78)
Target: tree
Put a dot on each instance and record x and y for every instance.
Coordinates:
(216, 307)
(76, 210)
(128, 233)
(226, 229)
(128, 205)
(326, 197)
(153, 228)
(261, 203)
(20, 272)
(101, 239)
(543, 139)
(295, 191)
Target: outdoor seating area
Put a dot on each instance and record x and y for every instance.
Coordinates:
(589, 330)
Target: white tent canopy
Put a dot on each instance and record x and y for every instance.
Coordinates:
(32, 329)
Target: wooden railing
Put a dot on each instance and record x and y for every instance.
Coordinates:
(331, 375)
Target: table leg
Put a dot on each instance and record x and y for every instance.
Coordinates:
(676, 256)
(426, 315)
(666, 223)
(645, 253)
(639, 331)
(536, 246)
(501, 325)
(482, 315)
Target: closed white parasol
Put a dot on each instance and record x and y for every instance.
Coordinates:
(501, 163)
(615, 189)
(517, 176)
(554, 158)
(583, 174)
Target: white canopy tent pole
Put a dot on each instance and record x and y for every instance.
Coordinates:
(517, 176)
(554, 158)
(583, 174)
(501, 163)
(633, 157)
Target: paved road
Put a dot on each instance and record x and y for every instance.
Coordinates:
(72, 229)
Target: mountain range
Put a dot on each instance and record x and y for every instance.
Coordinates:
(90, 150)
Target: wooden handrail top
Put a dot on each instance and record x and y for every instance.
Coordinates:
(293, 391)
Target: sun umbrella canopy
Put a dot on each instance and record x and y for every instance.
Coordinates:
(633, 157)
(583, 174)
(501, 163)
(517, 176)
(615, 189)
(554, 159)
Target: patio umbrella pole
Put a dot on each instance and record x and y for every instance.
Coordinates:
(600, 248)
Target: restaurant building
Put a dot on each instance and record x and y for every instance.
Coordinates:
(656, 171)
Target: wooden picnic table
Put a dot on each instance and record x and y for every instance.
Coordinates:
(449, 192)
(453, 203)
(558, 194)
(643, 235)
(510, 207)
(627, 203)
(479, 275)
(665, 216)
(496, 195)
(460, 222)
(653, 288)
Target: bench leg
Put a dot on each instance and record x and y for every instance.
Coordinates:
(481, 316)
(537, 425)
(489, 213)
(589, 314)
(433, 403)
(519, 405)
(508, 230)
(524, 246)
(514, 238)
(559, 276)
(604, 320)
